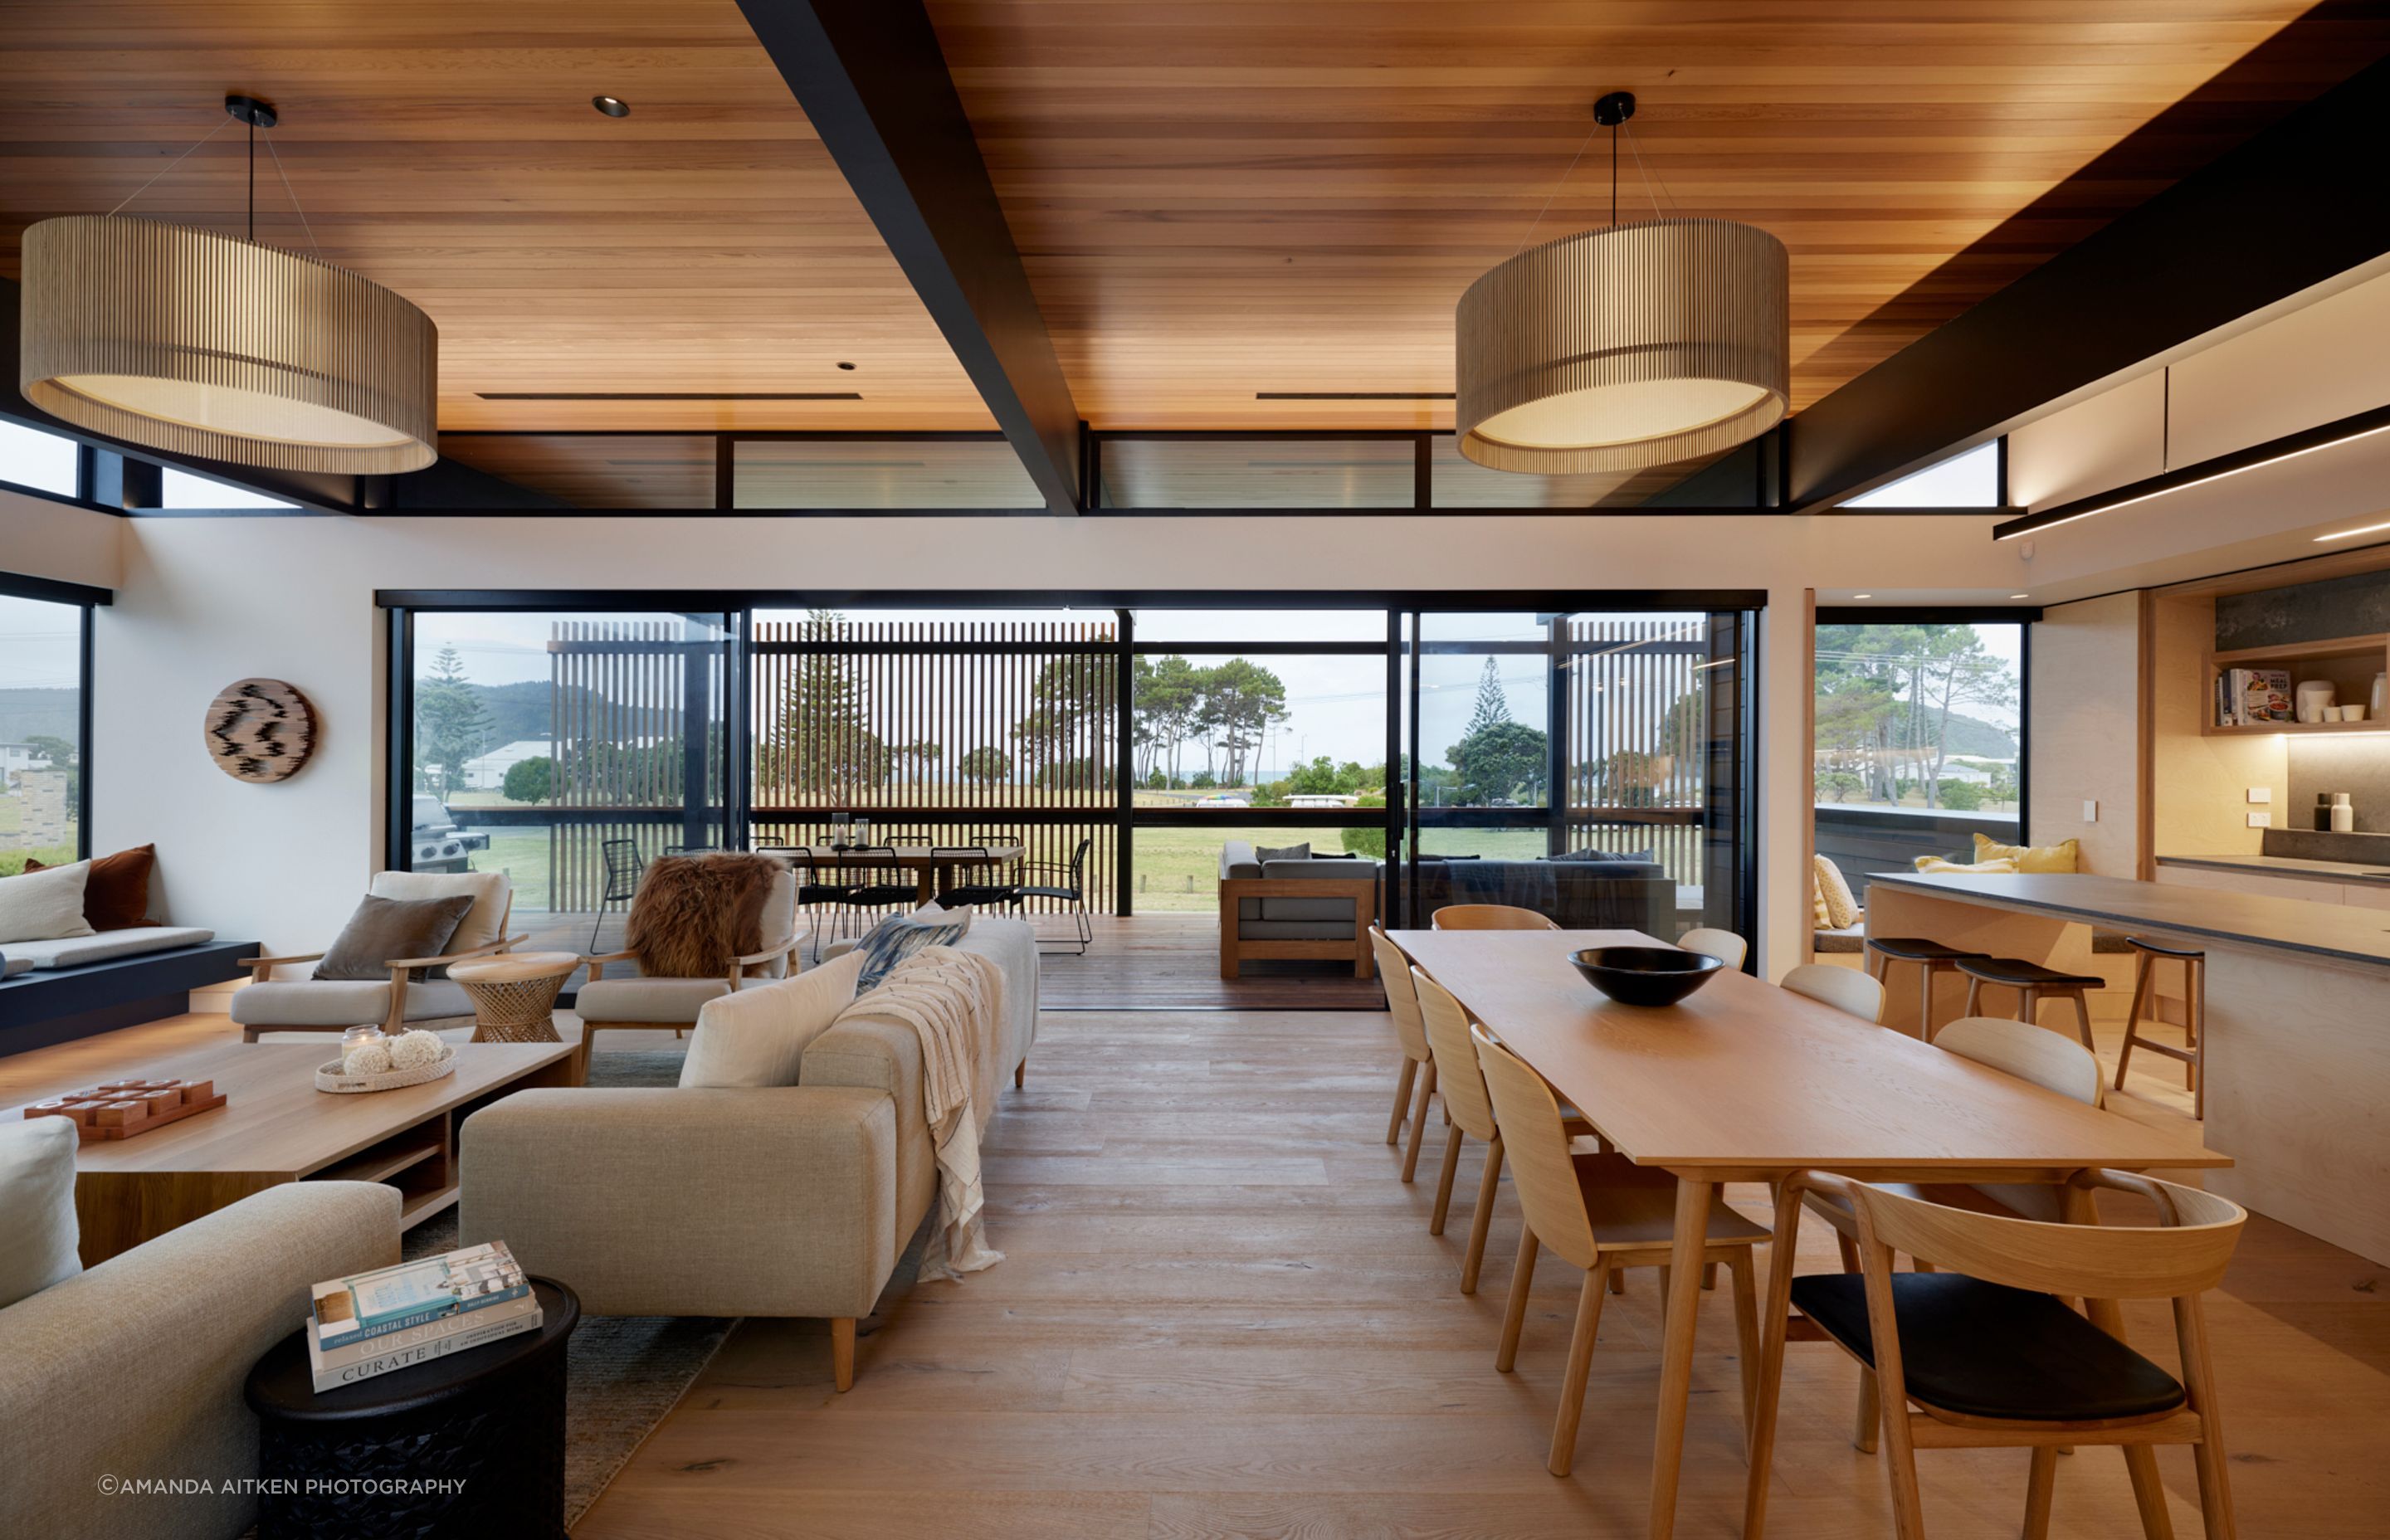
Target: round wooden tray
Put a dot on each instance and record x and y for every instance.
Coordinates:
(328, 1077)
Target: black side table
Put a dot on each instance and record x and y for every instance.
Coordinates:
(470, 1444)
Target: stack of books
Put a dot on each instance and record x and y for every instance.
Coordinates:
(397, 1317)
(2248, 697)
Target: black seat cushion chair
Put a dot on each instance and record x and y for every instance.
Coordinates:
(2022, 974)
(1985, 1350)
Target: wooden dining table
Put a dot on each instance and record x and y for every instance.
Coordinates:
(1745, 1082)
(933, 866)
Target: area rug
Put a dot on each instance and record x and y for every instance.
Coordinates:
(624, 1372)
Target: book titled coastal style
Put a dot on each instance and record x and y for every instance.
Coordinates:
(367, 1305)
(420, 1344)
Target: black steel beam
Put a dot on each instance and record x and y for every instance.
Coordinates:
(2287, 209)
(873, 80)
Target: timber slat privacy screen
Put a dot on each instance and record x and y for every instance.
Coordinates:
(957, 732)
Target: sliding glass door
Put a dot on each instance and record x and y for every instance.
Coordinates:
(1587, 765)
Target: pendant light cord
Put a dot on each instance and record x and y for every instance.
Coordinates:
(170, 166)
(1654, 187)
(293, 195)
(1582, 145)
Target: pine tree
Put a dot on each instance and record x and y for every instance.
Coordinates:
(1493, 703)
(451, 725)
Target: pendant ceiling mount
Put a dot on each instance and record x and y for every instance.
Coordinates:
(210, 347)
(1628, 347)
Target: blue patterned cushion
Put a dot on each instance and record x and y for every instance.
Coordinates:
(898, 937)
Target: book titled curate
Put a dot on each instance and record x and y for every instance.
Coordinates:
(406, 1349)
(365, 1305)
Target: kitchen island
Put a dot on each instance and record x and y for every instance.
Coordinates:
(2297, 1016)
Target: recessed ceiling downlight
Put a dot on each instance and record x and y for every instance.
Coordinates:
(613, 106)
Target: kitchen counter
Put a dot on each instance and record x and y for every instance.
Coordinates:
(2295, 866)
(2360, 936)
(2295, 1017)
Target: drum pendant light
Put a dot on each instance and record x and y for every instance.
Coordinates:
(198, 344)
(1624, 348)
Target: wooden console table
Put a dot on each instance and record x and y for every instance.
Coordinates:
(276, 1128)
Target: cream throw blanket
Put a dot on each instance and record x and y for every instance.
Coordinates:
(954, 1001)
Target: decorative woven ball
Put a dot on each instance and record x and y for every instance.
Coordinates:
(415, 1050)
(366, 1059)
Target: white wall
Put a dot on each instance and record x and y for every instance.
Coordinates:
(205, 601)
(39, 538)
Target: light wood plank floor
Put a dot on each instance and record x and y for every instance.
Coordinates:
(1220, 1314)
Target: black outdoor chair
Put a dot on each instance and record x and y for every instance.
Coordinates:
(985, 895)
(879, 883)
(812, 892)
(1073, 893)
(624, 865)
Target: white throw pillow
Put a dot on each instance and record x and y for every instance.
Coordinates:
(37, 1207)
(43, 905)
(938, 914)
(756, 1037)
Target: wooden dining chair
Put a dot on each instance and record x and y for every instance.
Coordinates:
(1990, 1353)
(2018, 1048)
(1395, 969)
(1602, 1213)
(1725, 946)
(1845, 989)
(1489, 916)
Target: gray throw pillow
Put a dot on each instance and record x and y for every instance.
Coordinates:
(1263, 854)
(1645, 856)
(387, 927)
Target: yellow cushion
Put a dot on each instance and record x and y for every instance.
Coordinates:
(1935, 864)
(1837, 908)
(2064, 856)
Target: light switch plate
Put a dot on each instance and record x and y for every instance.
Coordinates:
(2261, 794)
(2091, 810)
(2261, 820)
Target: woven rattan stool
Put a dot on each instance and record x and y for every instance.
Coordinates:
(514, 995)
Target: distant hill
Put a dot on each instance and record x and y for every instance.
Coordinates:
(38, 713)
(523, 711)
(1973, 735)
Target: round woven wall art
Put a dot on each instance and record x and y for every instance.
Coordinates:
(260, 730)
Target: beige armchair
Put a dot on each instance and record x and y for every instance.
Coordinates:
(268, 1004)
(639, 1001)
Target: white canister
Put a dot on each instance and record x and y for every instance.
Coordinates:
(2380, 694)
(2313, 695)
(2344, 816)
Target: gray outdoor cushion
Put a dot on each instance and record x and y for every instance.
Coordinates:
(341, 1002)
(1237, 860)
(1265, 853)
(1334, 913)
(104, 945)
(1641, 855)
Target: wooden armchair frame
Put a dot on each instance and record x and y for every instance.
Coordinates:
(735, 972)
(402, 973)
(1362, 891)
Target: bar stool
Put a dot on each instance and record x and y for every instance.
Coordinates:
(2193, 1052)
(1931, 956)
(2032, 982)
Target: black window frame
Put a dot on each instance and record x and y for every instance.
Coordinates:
(88, 601)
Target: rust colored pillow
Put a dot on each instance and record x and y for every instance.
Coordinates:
(116, 895)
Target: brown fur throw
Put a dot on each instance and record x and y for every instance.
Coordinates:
(693, 914)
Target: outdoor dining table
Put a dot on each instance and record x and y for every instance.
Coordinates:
(933, 866)
(1746, 1082)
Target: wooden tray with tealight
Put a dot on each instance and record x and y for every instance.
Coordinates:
(123, 1109)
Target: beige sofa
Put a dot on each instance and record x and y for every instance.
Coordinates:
(133, 1369)
(792, 1200)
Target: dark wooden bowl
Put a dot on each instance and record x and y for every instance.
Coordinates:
(1645, 975)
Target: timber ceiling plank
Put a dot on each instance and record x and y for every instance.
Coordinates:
(706, 244)
(1218, 198)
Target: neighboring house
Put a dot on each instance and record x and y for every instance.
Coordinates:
(488, 772)
(17, 756)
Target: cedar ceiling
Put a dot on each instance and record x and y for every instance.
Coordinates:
(447, 149)
(1216, 197)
